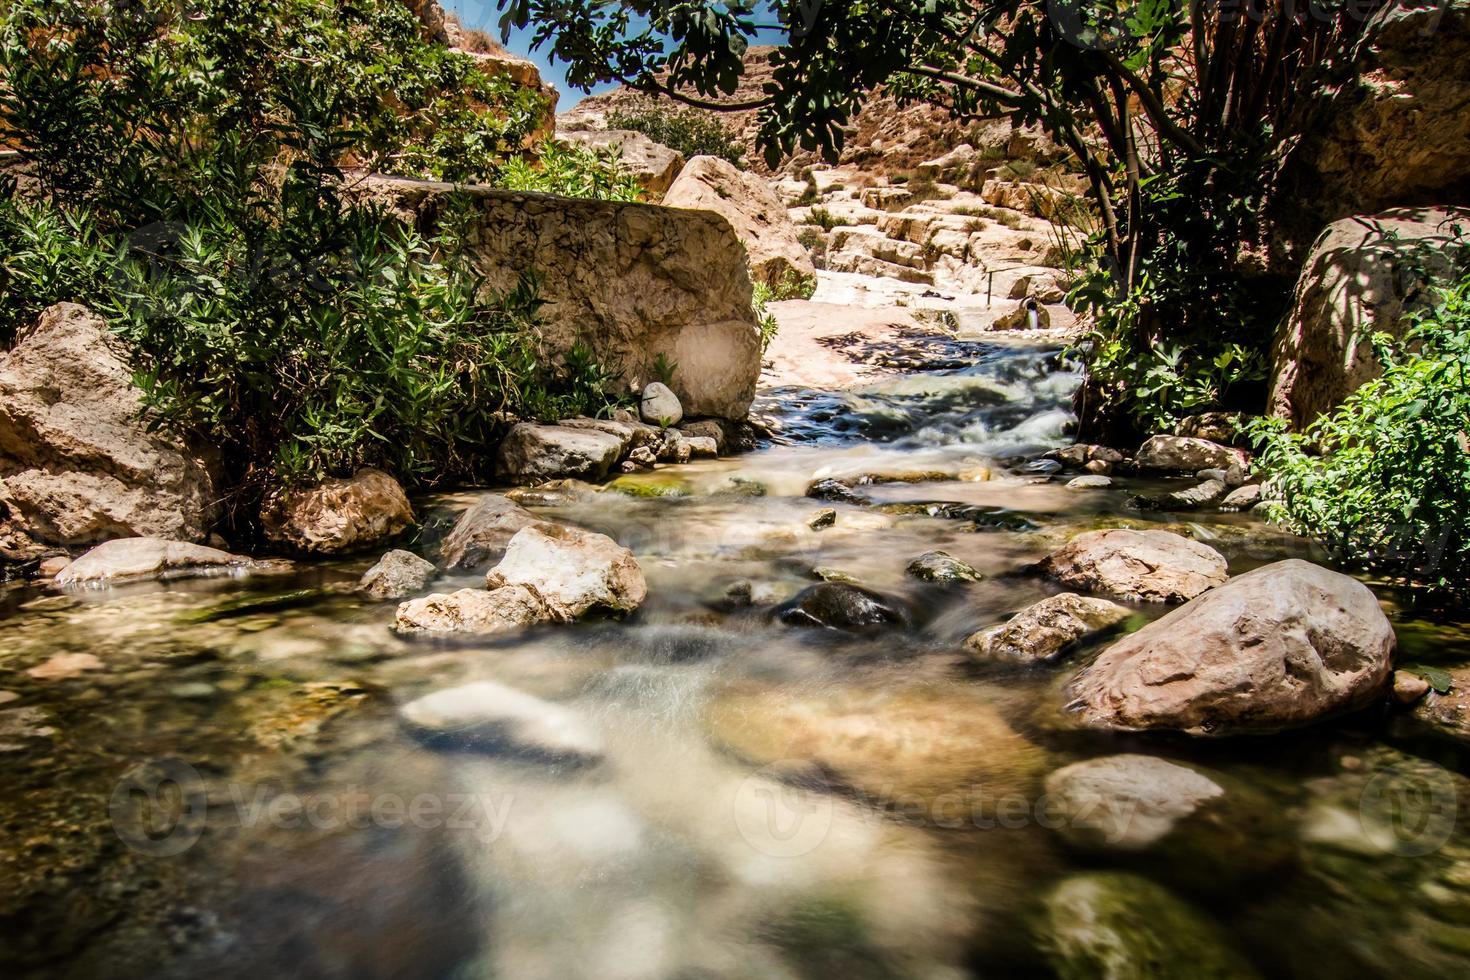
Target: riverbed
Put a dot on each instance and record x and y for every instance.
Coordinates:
(210, 777)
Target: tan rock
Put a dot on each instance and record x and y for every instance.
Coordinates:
(1282, 646)
(78, 464)
(1447, 714)
(492, 717)
(1183, 454)
(1395, 133)
(338, 515)
(571, 570)
(755, 212)
(1362, 277)
(652, 164)
(1042, 631)
(1149, 566)
(937, 750)
(532, 453)
(483, 531)
(128, 559)
(65, 666)
(500, 610)
(632, 281)
(396, 575)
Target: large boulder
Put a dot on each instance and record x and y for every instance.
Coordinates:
(752, 208)
(1043, 631)
(1282, 646)
(1146, 566)
(483, 531)
(1396, 133)
(652, 164)
(78, 462)
(338, 516)
(133, 559)
(1364, 275)
(532, 453)
(573, 571)
(631, 281)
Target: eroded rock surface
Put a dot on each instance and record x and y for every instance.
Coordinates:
(338, 516)
(1148, 566)
(1279, 647)
(78, 464)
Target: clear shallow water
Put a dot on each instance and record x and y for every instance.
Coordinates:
(770, 802)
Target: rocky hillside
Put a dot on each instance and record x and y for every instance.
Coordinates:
(885, 138)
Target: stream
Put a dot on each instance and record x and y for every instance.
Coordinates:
(209, 776)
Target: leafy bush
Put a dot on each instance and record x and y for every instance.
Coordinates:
(686, 130)
(1384, 480)
(194, 189)
(821, 218)
(791, 286)
(572, 171)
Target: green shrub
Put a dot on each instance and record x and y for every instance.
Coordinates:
(1383, 481)
(688, 131)
(193, 172)
(821, 218)
(572, 171)
(764, 318)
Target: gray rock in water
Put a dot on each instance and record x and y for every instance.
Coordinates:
(835, 491)
(572, 571)
(837, 605)
(491, 717)
(1148, 566)
(1042, 631)
(1206, 494)
(131, 559)
(938, 566)
(534, 453)
(1126, 927)
(1093, 482)
(1282, 646)
(659, 405)
(482, 532)
(397, 574)
(1190, 824)
(500, 610)
(709, 428)
(824, 518)
(1126, 802)
(1242, 498)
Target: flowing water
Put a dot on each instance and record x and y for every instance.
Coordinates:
(226, 788)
